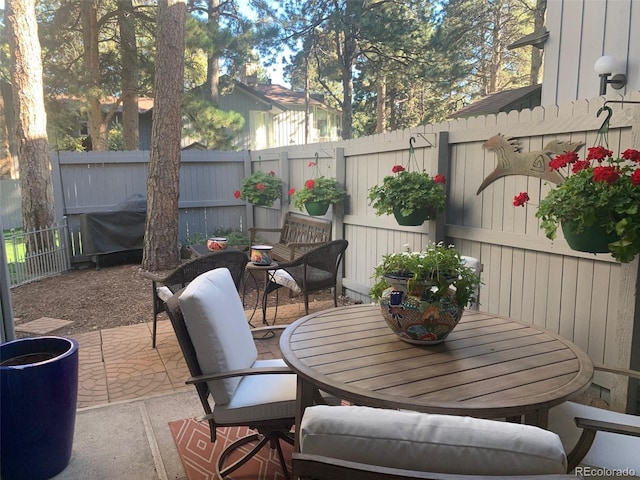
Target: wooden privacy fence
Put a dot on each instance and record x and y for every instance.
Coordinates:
(589, 299)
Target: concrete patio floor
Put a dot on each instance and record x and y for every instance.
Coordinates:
(128, 393)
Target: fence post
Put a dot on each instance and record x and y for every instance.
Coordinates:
(7, 331)
(59, 203)
(248, 167)
(442, 167)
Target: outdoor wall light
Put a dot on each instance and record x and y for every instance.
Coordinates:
(604, 67)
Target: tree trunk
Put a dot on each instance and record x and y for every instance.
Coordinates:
(97, 131)
(30, 116)
(213, 67)
(130, 124)
(161, 229)
(381, 99)
(537, 53)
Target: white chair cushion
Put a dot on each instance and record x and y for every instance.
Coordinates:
(609, 450)
(434, 443)
(218, 328)
(282, 277)
(260, 397)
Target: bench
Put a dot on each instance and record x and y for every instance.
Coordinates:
(298, 234)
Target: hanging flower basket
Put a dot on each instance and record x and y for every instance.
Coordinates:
(260, 189)
(318, 193)
(412, 197)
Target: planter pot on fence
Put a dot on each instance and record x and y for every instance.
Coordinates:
(38, 394)
(316, 209)
(414, 219)
(594, 239)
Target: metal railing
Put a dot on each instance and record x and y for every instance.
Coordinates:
(33, 255)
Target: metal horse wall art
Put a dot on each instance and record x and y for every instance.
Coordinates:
(535, 164)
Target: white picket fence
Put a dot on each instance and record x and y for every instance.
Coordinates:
(37, 254)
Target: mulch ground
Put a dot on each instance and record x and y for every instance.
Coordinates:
(95, 299)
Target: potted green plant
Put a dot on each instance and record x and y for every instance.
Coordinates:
(318, 193)
(597, 205)
(422, 294)
(412, 197)
(260, 188)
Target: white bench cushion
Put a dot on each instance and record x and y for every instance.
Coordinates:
(434, 443)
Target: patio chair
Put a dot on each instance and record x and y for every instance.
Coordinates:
(218, 347)
(234, 260)
(315, 270)
(364, 443)
(577, 424)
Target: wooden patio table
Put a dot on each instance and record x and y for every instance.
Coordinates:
(488, 367)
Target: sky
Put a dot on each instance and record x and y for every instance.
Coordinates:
(276, 71)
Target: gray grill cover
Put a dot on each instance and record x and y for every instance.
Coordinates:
(117, 230)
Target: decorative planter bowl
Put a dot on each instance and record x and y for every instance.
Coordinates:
(217, 243)
(417, 321)
(261, 254)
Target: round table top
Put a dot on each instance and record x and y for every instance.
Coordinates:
(489, 366)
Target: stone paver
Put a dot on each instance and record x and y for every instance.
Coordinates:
(120, 364)
(42, 325)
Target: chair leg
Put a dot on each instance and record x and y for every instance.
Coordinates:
(156, 310)
(222, 471)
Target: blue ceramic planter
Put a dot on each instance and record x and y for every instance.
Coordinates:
(38, 394)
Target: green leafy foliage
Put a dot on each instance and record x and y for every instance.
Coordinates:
(260, 188)
(409, 190)
(437, 265)
(321, 189)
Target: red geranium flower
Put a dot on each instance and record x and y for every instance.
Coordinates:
(631, 154)
(520, 199)
(292, 191)
(598, 153)
(237, 194)
(580, 165)
(606, 174)
(563, 160)
(311, 164)
(260, 186)
(397, 169)
(439, 179)
(272, 173)
(635, 177)
(309, 184)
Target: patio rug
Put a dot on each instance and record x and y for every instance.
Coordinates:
(199, 455)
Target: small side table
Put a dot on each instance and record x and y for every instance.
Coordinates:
(252, 268)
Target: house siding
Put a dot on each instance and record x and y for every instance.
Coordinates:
(580, 32)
